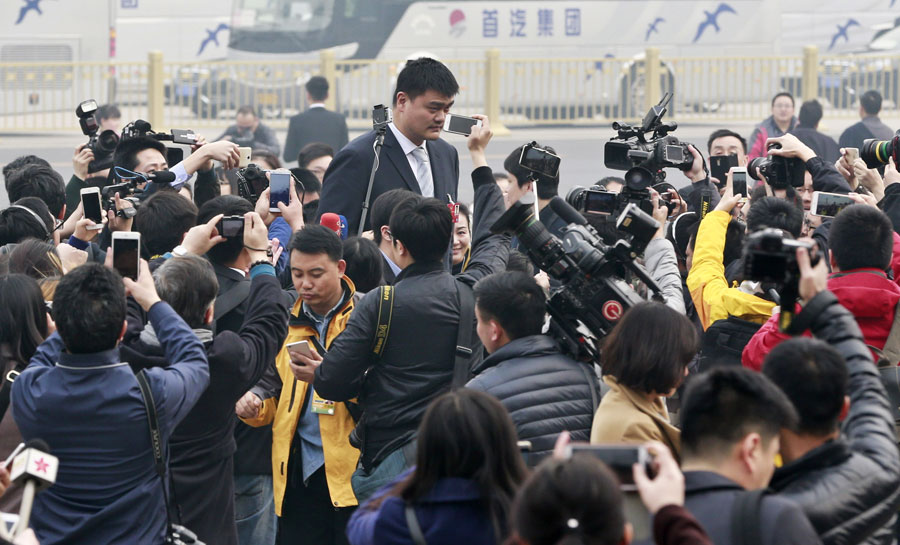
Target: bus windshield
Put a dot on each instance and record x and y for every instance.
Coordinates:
(295, 15)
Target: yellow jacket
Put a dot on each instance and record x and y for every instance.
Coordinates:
(284, 413)
(713, 298)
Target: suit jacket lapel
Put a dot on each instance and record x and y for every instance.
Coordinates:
(395, 154)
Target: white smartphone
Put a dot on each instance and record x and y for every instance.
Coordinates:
(279, 189)
(126, 249)
(90, 203)
(460, 124)
(245, 157)
(739, 181)
(852, 154)
(829, 204)
(300, 347)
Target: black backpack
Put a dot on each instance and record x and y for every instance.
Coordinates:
(724, 341)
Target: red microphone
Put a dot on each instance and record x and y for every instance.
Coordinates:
(335, 222)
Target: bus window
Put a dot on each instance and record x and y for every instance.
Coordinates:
(297, 15)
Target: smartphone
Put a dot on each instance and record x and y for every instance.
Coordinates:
(300, 347)
(231, 227)
(539, 161)
(459, 124)
(619, 458)
(90, 203)
(739, 181)
(852, 154)
(184, 136)
(245, 156)
(719, 165)
(279, 189)
(126, 249)
(829, 204)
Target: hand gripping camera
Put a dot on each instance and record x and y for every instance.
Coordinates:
(103, 144)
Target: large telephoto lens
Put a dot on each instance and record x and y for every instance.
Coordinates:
(877, 152)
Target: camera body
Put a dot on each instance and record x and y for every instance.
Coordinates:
(251, 182)
(381, 117)
(592, 298)
(632, 148)
(770, 257)
(779, 172)
(102, 144)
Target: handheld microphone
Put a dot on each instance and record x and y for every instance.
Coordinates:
(566, 212)
(36, 470)
(336, 223)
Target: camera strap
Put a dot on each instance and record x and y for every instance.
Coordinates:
(155, 438)
(412, 522)
(461, 369)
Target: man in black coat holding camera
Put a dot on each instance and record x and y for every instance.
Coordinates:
(201, 448)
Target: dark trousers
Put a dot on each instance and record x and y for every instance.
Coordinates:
(307, 515)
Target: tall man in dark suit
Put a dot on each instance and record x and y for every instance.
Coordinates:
(414, 157)
(315, 124)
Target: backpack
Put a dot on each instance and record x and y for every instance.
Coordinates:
(724, 342)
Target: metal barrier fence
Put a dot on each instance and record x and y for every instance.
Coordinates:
(512, 91)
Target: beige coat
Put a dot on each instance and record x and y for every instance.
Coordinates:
(626, 416)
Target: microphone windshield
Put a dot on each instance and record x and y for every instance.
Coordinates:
(38, 444)
(566, 212)
(163, 177)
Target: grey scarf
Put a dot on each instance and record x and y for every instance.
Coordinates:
(148, 335)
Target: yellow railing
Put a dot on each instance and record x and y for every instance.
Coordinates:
(512, 91)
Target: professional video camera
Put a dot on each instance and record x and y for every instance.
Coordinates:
(596, 200)
(103, 144)
(770, 257)
(139, 127)
(779, 172)
(879, 152)
(592, 299)
(632, 149)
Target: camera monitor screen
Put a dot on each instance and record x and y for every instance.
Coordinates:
(600, 202)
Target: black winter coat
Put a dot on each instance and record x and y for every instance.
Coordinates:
(201, 447)
(417, 363)
(544, 391)
(849, 488)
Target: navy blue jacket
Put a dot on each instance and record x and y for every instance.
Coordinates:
(452, 513)
(89, 410)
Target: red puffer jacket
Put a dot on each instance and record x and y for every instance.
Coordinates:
(867, 293)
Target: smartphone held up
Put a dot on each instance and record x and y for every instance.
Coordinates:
(126, 249)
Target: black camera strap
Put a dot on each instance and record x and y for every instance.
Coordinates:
(155, 438)
(461, 369)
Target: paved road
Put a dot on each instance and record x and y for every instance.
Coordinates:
(580, 148)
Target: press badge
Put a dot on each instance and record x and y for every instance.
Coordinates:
(322, 406)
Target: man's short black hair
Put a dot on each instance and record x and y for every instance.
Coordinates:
(722, 133)
(649, 349)
(108, 111)
(317, 239)
(89, 308)
(189, 285)
(776, 213)
(246, 110)
(783, 94)
(514, 300)
(317, 87)
(310, 211)
(162, 220)
(424, 226)
(871, 102)
(518, 261)
(810, 113)
(311, 184)
(17, 225)
(723, 405)
(814, 377)
(383, 207)
(547, 187)
(425, 74)
(313, 151)
(224, 253)
(861, 237)
(364, 263)
(38, 181)
(19, 162)
(127, 151)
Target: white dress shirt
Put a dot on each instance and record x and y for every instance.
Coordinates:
(407, 146)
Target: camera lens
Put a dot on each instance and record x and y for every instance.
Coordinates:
(877, 152)
(107, 142)
(575, 197)
(638, 179)
(754, 166)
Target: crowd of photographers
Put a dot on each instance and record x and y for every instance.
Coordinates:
(225, 353)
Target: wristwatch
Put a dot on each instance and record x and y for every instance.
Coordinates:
(179, 251)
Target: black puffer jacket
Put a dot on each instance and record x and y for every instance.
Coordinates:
(849, 488)
(544, 391)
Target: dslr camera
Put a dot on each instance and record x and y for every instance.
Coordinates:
(633, 149)
(779, 172)
(103, 144)
(879, 152)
